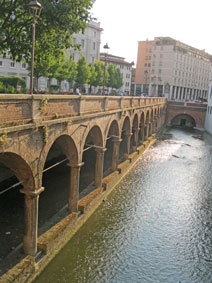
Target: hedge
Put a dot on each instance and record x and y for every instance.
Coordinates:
(13, 81)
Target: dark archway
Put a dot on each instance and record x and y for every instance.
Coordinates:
(155, 120)
(113, 133)
(146, 129)
(13, 171)
(125, 133)
(141, 133)
(134, 138)
(56, 181)
(93, 143)
(183, 120)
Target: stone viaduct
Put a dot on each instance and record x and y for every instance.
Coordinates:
(88, 135)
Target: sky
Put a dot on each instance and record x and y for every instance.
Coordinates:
(125, 22)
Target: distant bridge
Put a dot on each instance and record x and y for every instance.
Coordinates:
(186, 114)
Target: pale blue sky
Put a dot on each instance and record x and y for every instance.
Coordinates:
(125, 22)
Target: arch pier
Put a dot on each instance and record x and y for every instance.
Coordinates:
(57, 157)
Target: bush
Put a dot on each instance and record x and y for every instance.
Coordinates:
(13, 81)
(54, 87)
(10, 89)
(2, 88)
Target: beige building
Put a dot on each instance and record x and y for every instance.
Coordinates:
(124, 67)
(167, 67)
(90, 48)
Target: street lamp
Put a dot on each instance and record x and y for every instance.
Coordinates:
(36, 7)
(105, 47)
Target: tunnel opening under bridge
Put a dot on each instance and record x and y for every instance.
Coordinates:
(183, 120)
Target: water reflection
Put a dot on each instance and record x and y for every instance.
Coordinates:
(155, 227)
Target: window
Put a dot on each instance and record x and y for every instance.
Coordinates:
(1, 63)
(94, 33)
(83, 43)
(23, 66)
(12, 64)
(94, 45)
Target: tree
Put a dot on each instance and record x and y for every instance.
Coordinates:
(53, 65)
(59, 19)
(93, 76)
(99, 70)
(118, 79)
(115, 77)
(83, 72)
(62, 71)
(41, 64)
(111, 82)
(72, 70)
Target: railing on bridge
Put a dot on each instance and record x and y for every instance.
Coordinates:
(22, 109)
(187, 104)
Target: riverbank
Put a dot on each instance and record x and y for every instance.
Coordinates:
(52, 241)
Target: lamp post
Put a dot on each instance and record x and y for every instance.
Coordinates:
(36, 7)
(105, 47)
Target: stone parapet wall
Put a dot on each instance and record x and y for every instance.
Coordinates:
(20, 109)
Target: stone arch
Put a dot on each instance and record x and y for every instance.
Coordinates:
(67, 146)
(56, 176)
(96, 135)
(142, 127)
(134, 131)
(19, 167)
(92, 158)
(183, 120)
(147, 116)
(113, 128)
(124, 149)
(151, 115)
(112, 142)
(14, 169)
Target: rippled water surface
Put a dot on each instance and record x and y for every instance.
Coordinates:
(156, 226)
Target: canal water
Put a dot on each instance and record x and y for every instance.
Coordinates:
(156, 226)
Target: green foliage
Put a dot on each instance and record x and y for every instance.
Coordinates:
(57, 22)
(12, 81)
(83, 72)
(111, 82)
(115, 77)
(72, 70)
(118, 79)
(97, 74)
(9, 85)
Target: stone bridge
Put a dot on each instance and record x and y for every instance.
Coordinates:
(84, 137)
(186, 114)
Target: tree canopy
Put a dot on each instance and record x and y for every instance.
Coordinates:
(58, 20)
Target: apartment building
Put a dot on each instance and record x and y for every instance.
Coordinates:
(124, 67)
(167, 67)
(208, 119)
(90, 48)
(90, 42)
